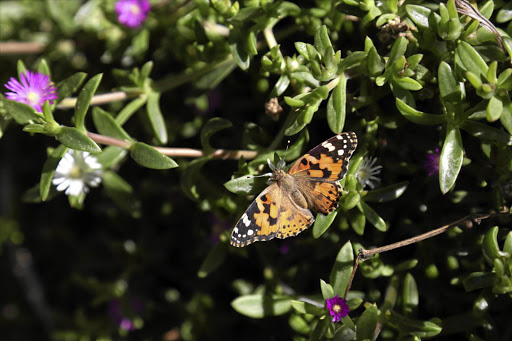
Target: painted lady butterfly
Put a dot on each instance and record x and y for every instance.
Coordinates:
(282, 210)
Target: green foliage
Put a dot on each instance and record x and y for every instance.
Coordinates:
(424, 84)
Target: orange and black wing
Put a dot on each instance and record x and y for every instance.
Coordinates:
(317, 172)
(271, 214)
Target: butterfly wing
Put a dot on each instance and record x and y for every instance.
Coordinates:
(317, 172)
(271, 214)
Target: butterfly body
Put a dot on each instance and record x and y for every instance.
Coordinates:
(283, 209)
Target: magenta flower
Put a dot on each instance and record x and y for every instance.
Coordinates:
(132, 13)
(125, 312)
(337, 307)
(35, 89)
(432, 162)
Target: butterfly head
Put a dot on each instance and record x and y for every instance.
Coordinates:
(278, 172)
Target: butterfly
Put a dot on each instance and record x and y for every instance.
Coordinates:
(283, 209)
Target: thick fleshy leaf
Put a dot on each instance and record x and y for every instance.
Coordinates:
(327, 290)
(398, 50)
(471, 59)
(242, 58)
(84, 99)
(248, 184)
(410, 294)
(388, 193)
(75, 139)
(322, 41)
(419, 15)
(417, 328)
(336, 106)
(307, 308)
(448, 85)
(322, 223)
(44, 68)
(372, 216)
(130, 109)
(450, 161)
(20, 112)
(259, 306)
(49, 167)
(417, 116)
(351, 60)
(320, 329)
(340, 273)
(281, 86)
(111, 155)
(211, 127)
(490, 245)
(494, 109)
(407, 83)
(366, 324)
(121, 192)
(213, 260)
(107, 125)
(479, 280)
(486, 132)
(155, 117)
(149, 157)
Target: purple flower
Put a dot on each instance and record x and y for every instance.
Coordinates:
(125, 312)
(337, 307)
(432, 162)
(132, 13)
(35, 89)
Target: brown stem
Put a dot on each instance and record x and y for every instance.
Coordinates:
(468, 221)
(96, 99)
(177, 152)
(18, 47)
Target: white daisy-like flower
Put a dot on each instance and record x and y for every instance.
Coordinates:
(76, 172)
(367, 171)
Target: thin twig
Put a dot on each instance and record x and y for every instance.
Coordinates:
(464, 7)
(365, 254)
(96, 99)
(177, 152)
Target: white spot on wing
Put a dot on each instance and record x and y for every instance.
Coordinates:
(329, 146)
(235, 230)
(250, 232)
(245, 220)
(341, 152)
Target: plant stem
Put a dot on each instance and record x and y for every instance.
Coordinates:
(177, 152)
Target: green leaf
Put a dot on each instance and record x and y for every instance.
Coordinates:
(486, 132)
(130, 109)
(417, 116)
(366, 324)
(375, 64)
(259, 306)
(211, 127)
(419, 15)
(372, 216)
(84, 99)
(213, 78)
(322, 223)
(448, 85)
(307, 308)
(111, 156)
(327, 290)
(450, 161)
(322, 41)
(248, 13)
(213, 260)
(408, 83)
(49, 169)
(155, 117)
(479, 280)
(410, 294)
(351, 60)
(471, 59)
(418, 329)
(106, 125)
(342, 269)
(240, 56)
(44, 68)
(336, 106)
(121, 192)
(490, 245)
(21, 68)
(494, 109)
(398, 50)
(70, 85)
(149, 157)
(20, 112)
(140, 43)
(75, 139)
(388, 193)
(248, 184)
(320, 330)
(281, 85)
(145, 71)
